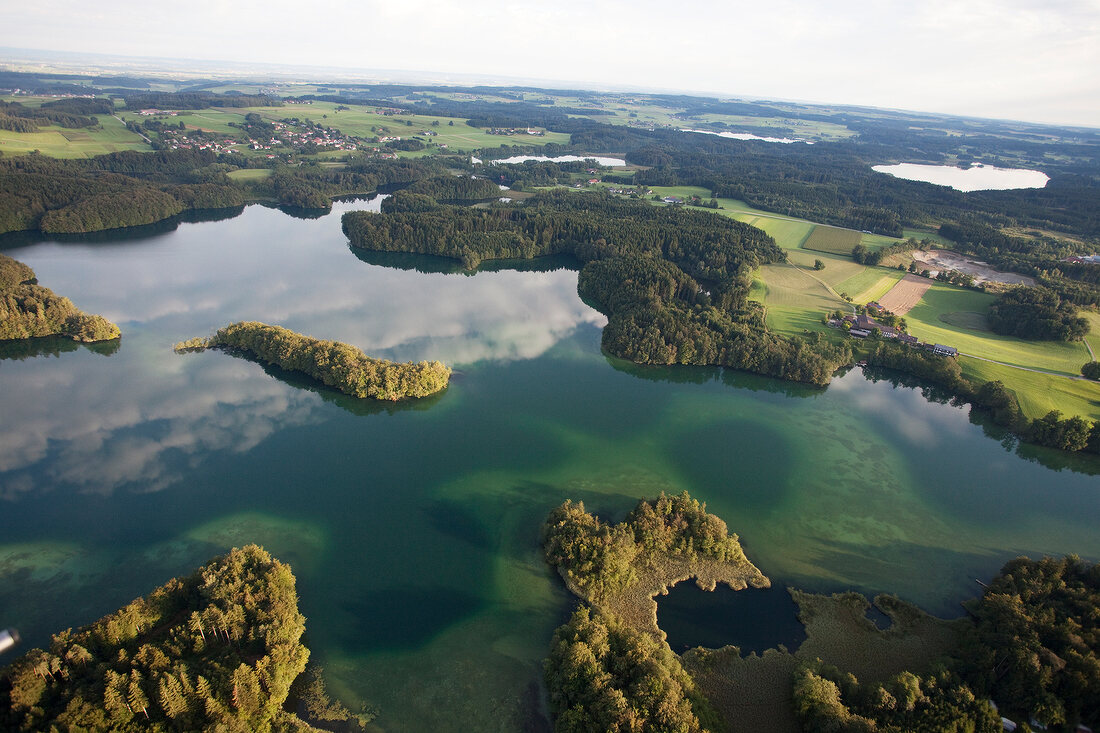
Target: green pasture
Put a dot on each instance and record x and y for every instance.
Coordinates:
(1093, 337)
(832, 239)
(1038, 393)
(869, 284)
(250, 174)
(61, 142)
(936, 319)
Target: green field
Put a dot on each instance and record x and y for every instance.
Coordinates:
(926, 321)
(832, 239)
(250, 174)
(61, 142)
(1038, 393)
(871, 283)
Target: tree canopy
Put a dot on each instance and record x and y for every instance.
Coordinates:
(333, 363)
(215, 650)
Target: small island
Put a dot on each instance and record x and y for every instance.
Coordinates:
(28, 310)
(335, 364)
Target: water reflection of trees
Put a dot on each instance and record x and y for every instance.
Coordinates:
(20, 349)
(687, 374)
(1057, 460)
(433, 265)
(354, 405)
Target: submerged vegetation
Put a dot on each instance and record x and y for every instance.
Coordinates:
(28, 310)
(335, 364)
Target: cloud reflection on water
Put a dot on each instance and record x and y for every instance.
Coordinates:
(138, 419)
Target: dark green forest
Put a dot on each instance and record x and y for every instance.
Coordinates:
(334, 364)
(672, 281)
(1037, 314)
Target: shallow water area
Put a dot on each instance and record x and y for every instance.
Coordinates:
(975, 178)
(413, 528)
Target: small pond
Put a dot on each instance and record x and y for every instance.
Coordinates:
(753, 619)
(975, 178)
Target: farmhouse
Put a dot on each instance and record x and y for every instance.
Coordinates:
(941, 350)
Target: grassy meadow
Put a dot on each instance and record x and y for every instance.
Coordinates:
(61, 142)
(832, 239)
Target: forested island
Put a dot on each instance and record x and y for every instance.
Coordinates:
(1031, 643)
(29, 310)
(332, 363)
(673, 282)
(215, 650)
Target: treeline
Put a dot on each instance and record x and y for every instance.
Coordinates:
(197, 100)
(456, 189)
(599, 558)
(829, 701)
(672, 281)
(215, 650)
(335, 364)
(1037, 314)
(865, 256)
(1052, 430)
(604, 676)
(28, 310)
(131, 188)
(109, 191)
(314, 187)
(71, 113)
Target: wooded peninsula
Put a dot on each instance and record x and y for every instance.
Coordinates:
(332, 363)
(29, 310)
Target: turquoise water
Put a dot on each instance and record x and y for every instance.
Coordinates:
(413, 529)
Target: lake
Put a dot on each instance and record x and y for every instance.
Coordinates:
(750, 136)
(413, 529)
(975, 178)
(600, 160)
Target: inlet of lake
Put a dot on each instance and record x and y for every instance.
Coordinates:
(413, 528)
(975, 178)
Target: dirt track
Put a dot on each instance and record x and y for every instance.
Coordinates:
(905, 294)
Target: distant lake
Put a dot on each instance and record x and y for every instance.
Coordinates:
(609, 162)
(748, 136)
(976, 178)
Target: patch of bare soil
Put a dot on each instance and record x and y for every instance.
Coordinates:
(905, 294)
(937, 260)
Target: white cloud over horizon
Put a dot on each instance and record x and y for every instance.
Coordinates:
(1018, 59)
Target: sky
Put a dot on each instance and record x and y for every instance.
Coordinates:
(1016, 59)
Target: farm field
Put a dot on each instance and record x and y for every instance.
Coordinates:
(62, 142)
(870, 283)
(931, 321)
(832, 239)
(905, 294)
(1038, 393)
(359, 120)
